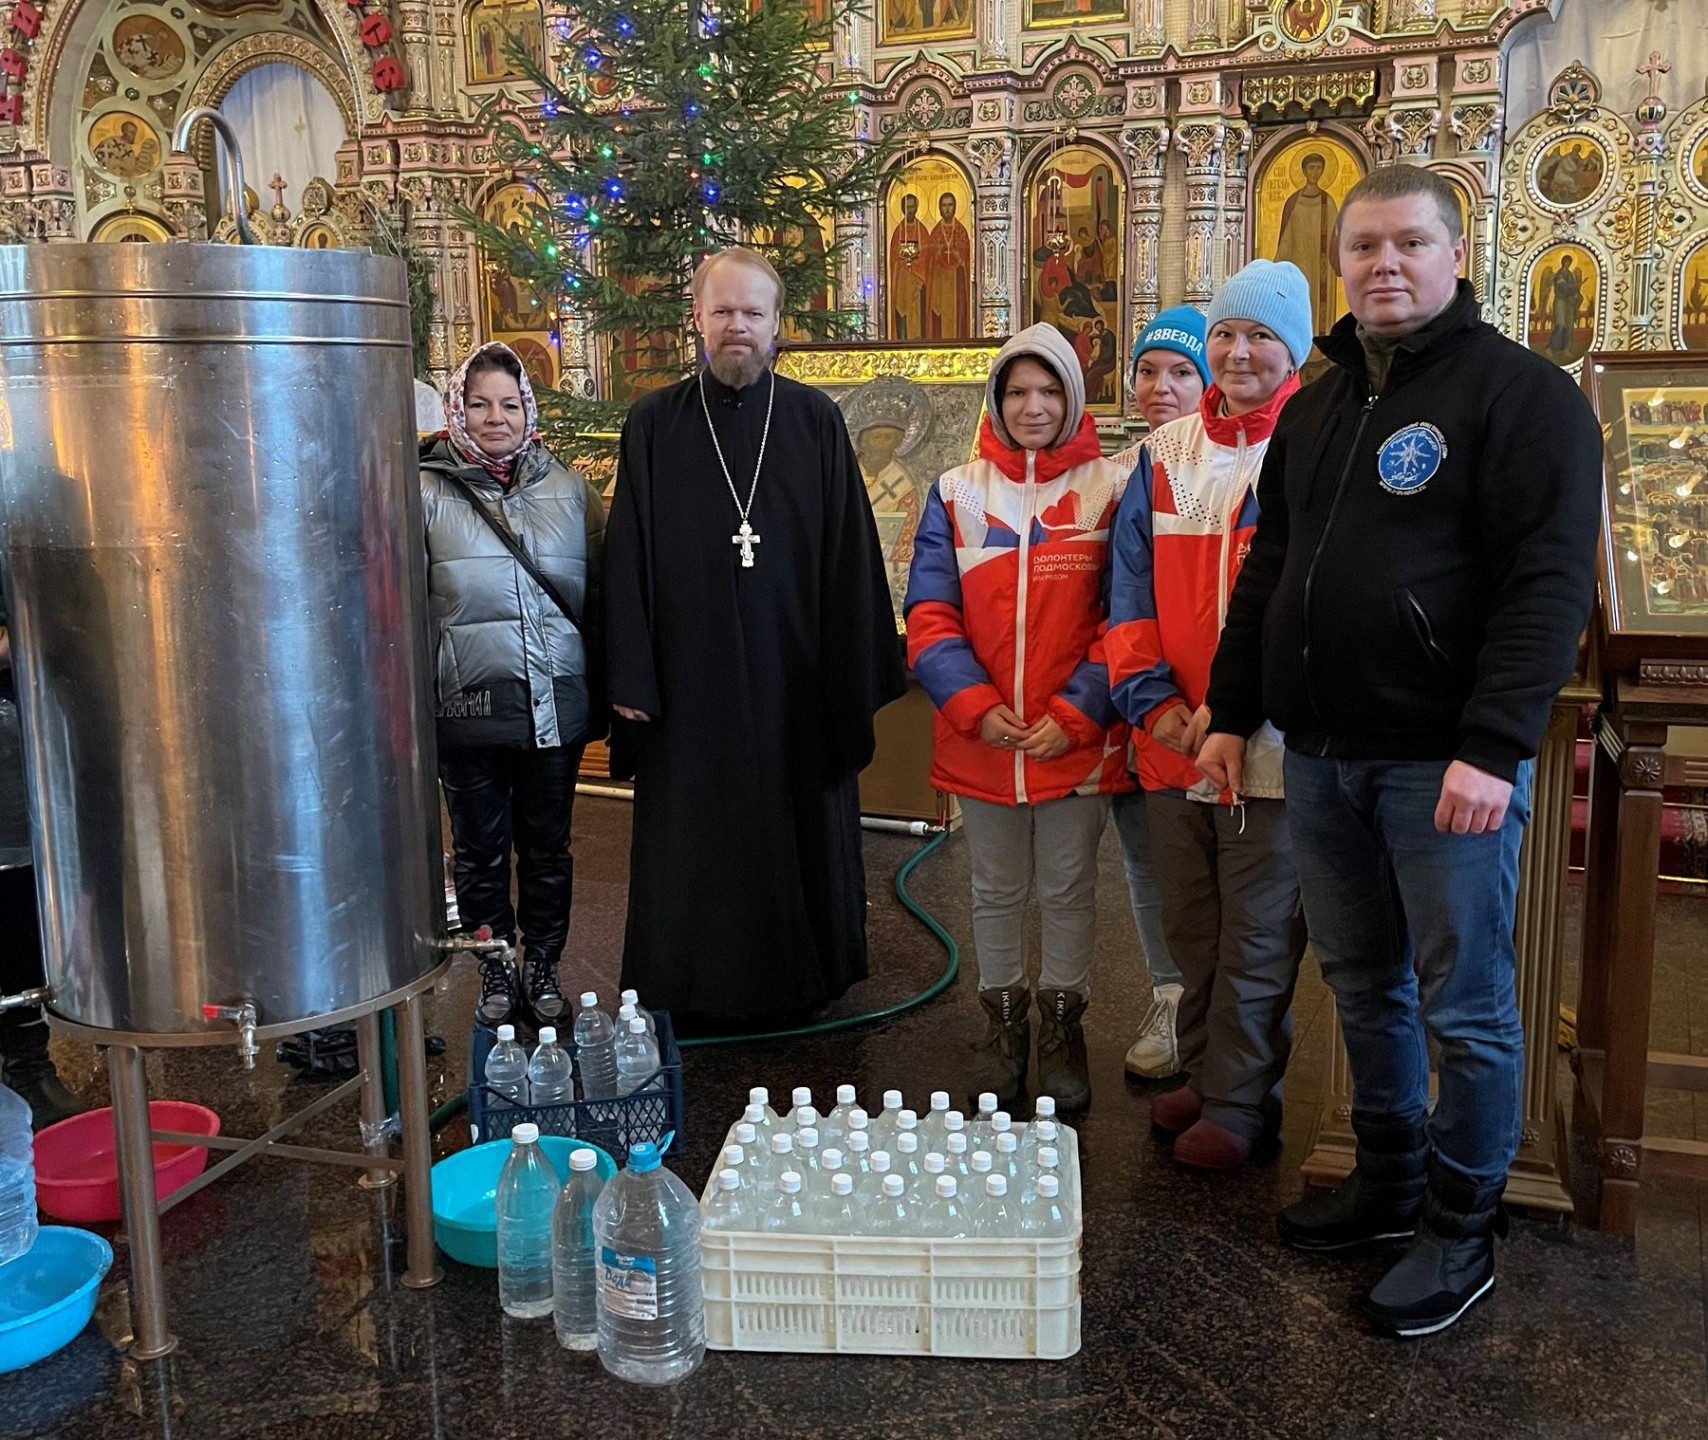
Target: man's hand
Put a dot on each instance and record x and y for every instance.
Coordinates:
(1002, 728)
(1197, 730)
(1473, 802)
(1172, 729)
(1046, 740)
(628, 714)
(1221, 761)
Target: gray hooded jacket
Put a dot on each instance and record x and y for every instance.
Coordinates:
(512, 670)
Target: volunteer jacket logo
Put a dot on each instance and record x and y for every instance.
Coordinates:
(1410, 457)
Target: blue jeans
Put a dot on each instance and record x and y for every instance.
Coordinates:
(1414, 932)
(1134, 829)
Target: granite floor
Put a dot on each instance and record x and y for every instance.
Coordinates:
(284, 1278)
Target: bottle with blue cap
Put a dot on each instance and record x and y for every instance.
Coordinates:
(652, 1323)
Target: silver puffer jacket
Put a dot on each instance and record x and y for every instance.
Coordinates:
(511, 669)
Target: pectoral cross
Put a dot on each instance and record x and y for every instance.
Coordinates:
(745, 538)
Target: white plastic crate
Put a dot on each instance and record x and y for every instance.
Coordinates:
(988, 1299)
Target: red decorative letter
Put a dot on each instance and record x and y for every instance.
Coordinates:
(388, 74)
(375, 31)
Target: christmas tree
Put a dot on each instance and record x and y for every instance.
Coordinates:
(672, 128)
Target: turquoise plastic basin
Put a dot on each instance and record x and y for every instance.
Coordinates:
(465, 1191)
(48, 1294)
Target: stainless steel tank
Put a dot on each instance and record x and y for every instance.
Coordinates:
(215, 570)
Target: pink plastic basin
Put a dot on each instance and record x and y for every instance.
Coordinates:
(77, 1167)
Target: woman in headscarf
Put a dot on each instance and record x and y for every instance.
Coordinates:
(513, 574)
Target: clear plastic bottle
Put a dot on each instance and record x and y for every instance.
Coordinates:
(631, 997)
(884, 1122)
(551, 1079)
(17, 1177)
(831, 1161)
(1049, 1163)
(804, 1117)
(652, 1321)
(931, 1170)
(891, 1215)
(526, 1199)
(748, 1138)
(955, 1154)
(1037, 1135)
(787, 1214)
(734, 1157)
(933, 1127)
(907, 1120)
(981, 1122)
(781, 1158)
(859, 1162)
(833, 1129)
(799, 1096)
(637, 1058)
(944, 1216)
(731, 1206)
(575, 1268)
(761, 1097)
(877, 1171)
(954, 1123)
(806, 1153)
(1007, 1161)
(1000, 1123)
(905, 1159)
(506, 1069)
(979, 1165)
(1041, 1212)
(1066, 1141)
(625, 1013)
(844, 1212)
(996, 1219)
(755, 1115)
(596, 1048)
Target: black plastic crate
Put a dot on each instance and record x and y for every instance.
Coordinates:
(646, 1113)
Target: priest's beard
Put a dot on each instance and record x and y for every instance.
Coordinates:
(738, 368)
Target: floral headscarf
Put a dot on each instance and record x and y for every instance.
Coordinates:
(502, 467)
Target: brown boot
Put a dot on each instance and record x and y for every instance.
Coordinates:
(1062, 1067)
(1001, 1063)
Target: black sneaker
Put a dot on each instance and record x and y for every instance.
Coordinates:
(1355, 1216)
(1434, 1283)
(544, 997)
(498, 991)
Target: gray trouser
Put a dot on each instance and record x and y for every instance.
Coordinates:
(1134, 830)
(1050, 850)
(1230, 909)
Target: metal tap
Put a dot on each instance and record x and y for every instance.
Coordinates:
(244, 1017)
(482, 942)
(39, 996)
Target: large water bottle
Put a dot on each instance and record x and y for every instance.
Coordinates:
(575, 1277)
(637, 1058)
(551, 1080)
(507, 1067)
(596, 1045)
(652, 1322)
(17, 1177)
(631, 997)
(527, 1194)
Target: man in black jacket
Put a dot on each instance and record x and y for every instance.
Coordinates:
(1419, 579)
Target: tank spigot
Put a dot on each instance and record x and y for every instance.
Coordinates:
(244, 1017)
(482, 942)
(39, 996)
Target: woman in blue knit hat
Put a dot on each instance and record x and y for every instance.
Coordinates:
(1168, 376)
(1223, 860)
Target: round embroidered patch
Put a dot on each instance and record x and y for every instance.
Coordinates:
(1410, 457)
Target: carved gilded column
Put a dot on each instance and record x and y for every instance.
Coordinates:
(993, 169)
(856, 284)
(415, 40)
(1203, 25)
(996, 18)
(1236, 170)
(1150, 30)
(1200, 141)
(1146, 145)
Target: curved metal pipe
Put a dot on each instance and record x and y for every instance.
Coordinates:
(233, 163)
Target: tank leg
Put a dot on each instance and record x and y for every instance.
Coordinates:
(417, 1148)
(151, 1337)
(373, 1109)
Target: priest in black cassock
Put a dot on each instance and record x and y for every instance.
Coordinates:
(751, 642)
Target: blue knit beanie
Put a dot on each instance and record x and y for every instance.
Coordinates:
(1274, 293)
(1180, 330)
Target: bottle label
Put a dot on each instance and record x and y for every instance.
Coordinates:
(628, 1284)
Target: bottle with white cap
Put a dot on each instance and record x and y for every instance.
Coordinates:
(506, 1069)
(527, 1195)
(981, 1122)
(575, 1274)
(891, 1214)
(1039, 1135)
(787, 1214)
(730, 1206)
(979, 1164)
(905, 1159)
(833, 1129)
(944, 1216)
(754, 1115)
(1049, 1163)
(932, 1128)
(884, 1122)
(831, 1160)
(1042, 1215)
(955, 1153)
(637, 1058)
(1066, 1141)
(801, 1099)
(878, 1171)
(734, 1158)
(748, 1138)
(806, 1153)
(931, 1170)
(955, 1123)
(596, 1048)
(844, 1212)
(761, 1097)
(996, 1218)
(779, 1157)
(1007, 1162)
(859, 1154)
(550, 1078)
(631, 997)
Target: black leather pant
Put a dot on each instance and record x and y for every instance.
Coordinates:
(23, 1031)
(503, 796)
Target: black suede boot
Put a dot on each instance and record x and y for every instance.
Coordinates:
(1449, 1266)
(1003, 1053)
(1376, 1205)
(1063, 1070)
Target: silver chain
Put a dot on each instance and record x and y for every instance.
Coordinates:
(723, 464)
